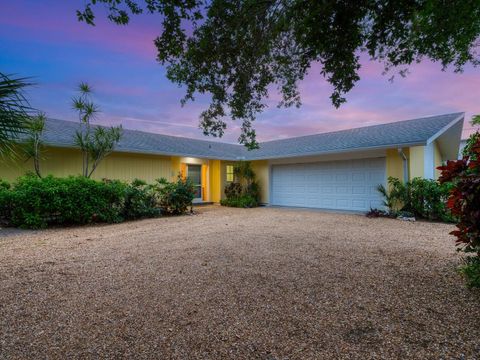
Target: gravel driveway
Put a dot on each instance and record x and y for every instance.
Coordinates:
(266, 283)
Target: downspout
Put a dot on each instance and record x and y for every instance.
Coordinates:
(405, 165)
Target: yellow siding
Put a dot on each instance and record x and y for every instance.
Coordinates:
(223, 176)
(395, 163)
(176, 167)
(437, 159)
(416, 161)
(260, 168)
(215, 181)
(65, 162)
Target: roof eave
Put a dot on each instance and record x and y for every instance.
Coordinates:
(145, 152)
(460, 118)
(340, 151)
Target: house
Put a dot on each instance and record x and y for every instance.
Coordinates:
(335, 170)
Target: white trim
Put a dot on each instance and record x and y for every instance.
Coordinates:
(332, 152)
(270, 183)
(445, 128)
(428, 161)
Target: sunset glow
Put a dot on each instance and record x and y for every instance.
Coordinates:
(43, 39)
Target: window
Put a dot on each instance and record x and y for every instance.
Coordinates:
(229, 173)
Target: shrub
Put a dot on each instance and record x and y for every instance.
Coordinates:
(4, 185)
(175, 197)
(34, 202)
(233, 190)
(244, 191)
(242, 201)
(424, 198)
(375, 213)
(140, 201)
(464, 200)
(6, 203)
(38, 202)
(471, 271)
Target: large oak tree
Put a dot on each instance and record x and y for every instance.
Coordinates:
(235, 50)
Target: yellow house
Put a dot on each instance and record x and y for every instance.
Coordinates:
(336, 170)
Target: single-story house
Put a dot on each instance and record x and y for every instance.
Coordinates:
(334, 170)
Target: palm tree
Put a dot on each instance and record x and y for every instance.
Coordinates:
(14, 110)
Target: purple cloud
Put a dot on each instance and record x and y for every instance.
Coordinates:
(45, 40)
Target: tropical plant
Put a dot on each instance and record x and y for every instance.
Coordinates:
(473, 138)
(244, 190)
(423, 198)
(464, 200)
(14, 111)
(95, 143)
(395, 195)
(238, 51)
(33, 145)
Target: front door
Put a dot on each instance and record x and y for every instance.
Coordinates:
(194, 173)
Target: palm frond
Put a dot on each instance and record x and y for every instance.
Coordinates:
(14, 110)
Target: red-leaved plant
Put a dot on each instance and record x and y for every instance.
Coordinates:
(464, 200)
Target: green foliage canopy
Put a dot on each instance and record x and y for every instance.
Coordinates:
(237, 50)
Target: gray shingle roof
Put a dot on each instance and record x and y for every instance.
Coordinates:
(61, 133)
(408, 132)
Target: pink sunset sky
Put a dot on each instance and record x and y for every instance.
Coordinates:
(43, 39)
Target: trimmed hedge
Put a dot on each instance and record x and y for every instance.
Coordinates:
(34, 202)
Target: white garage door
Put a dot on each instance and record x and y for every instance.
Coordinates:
(346, 185)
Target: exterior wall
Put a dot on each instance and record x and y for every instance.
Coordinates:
(65, 162)
(262, 170)
(223, 176)
(416, 161)
(128, 166)
(176, 168)
(394, 163)
(438, 159)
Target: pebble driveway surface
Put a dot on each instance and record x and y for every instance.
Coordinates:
(265, 283)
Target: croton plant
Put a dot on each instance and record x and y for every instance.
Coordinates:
(464, 200)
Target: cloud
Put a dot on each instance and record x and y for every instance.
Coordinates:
(45, 39)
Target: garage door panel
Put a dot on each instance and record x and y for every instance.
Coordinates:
(349, 185)
(359, 204)
(359, 190)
